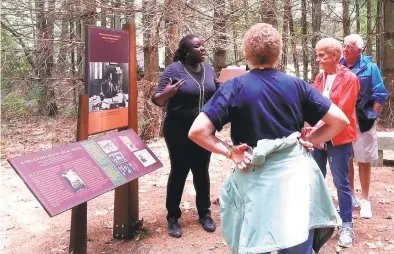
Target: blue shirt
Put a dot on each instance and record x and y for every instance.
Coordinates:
(265, 104)
(191, 96)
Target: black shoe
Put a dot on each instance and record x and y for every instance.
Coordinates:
(207, 223)
(174, 229)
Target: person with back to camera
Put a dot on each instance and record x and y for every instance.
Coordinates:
(185, 86)
(371, 97)
(275, 199)
(341, 86)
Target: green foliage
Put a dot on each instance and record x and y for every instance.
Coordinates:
(14, 64)
(13, 106)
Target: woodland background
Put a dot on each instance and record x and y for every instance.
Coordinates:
(42, 44)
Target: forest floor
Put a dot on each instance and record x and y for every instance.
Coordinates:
(26, 228)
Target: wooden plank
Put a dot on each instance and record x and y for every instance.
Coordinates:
(78, 231)
(126, 204)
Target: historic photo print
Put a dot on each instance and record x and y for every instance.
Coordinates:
(73, 180)
(118, 158)
(108, 146)
(145, 157)
(126, 169)
(128, 143)
(108, 86)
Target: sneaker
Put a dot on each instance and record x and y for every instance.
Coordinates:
(346, 236)
(355, 202)
(207, 223)
(365, 209)
(174, 229)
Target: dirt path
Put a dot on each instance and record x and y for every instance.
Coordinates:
(26, 228)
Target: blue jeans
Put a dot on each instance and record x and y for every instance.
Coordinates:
(302, 248)
(338, 158)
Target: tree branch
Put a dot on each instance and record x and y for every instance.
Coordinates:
(21, 43)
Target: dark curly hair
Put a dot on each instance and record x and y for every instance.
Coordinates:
(180, 53)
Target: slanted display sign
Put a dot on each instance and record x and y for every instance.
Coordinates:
(107, 76)
(230, 73)
(64, 177)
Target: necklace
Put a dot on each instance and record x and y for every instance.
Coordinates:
(201, 87)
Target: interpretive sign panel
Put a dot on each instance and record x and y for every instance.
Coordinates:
(63, 177)
(107, 78)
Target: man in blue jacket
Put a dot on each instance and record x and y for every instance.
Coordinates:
(369, 104)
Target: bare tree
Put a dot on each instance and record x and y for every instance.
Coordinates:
(388, 62)
(172, 30)
(268, 12)
(220, 38)
(379, 31)
(151, 68)
(358, 23)
(304, 25)
(369, 28)
(285, 34)
(316, 23)
(293, 39)
(345, 17)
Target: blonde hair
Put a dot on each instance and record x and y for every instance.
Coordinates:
(262, 44)
(331, 46)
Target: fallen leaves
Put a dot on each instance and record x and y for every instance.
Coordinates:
(389, 247)
(375, 245)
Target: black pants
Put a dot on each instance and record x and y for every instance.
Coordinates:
(186, 155)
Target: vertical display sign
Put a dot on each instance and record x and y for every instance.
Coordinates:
(107, 78)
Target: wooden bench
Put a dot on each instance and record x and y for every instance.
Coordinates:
(385, 142)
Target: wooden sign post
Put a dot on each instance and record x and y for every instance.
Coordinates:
(79, 225)
(126, 215)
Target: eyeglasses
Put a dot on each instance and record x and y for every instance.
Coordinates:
(349, 47)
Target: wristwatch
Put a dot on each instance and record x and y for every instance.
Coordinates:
(230, 151)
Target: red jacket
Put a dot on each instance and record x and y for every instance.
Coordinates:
(343, 93)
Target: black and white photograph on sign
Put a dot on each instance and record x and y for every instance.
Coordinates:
(145, 157)
(126, 169)
(73, 180)
(128, 143)
(118, 158)
(108, 86)
(108, 146)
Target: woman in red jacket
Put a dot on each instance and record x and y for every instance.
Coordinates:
(341, 86)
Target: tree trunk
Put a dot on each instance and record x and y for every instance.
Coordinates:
(62, 61)
(316, 23)
(293, 39)
(268, 12)
(72, 58)
(117, 15)
(369, 28)
(44, 55)
(304, 24)
(220, 39)
(285, 35)
(172, 30)
(345, 18)
(103, 14)
(388, 63)
(358, 23)
(236, 27)
(151, 69)
(379, 30)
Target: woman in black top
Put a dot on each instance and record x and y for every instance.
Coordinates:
(185, 86)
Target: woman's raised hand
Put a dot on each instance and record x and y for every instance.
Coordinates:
(172, 89)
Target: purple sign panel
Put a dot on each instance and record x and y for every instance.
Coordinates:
(63, 177)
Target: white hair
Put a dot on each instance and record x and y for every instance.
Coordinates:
(357, 39)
